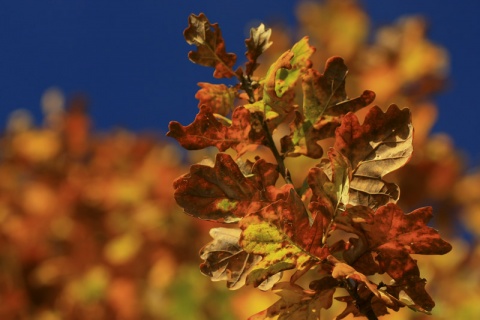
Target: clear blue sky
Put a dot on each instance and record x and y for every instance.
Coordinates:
(130, 57)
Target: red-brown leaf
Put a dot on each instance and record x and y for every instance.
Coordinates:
(207, 131)
(218, 97)
(220, 193)
(258, 42)
(382, 144)
(210, 46)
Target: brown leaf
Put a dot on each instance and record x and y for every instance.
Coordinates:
(206, 131)
(393, 236)
(222, 192)
(258, 42)
(225, 259)
(382, 144)
(210, 46)
(296, 303)
(218, 97)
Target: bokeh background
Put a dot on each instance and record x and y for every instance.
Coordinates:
(88, 225)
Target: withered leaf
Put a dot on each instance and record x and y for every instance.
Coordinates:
(225, 259)
(296, 303)
(324, 94)
(382, 144)
(222, 192)
(204, 131)
(304, 136)
(393, 236)
(218, 97)
(207, 131)
(282, 234)
(211, 50)
(324, 103)
(258, 42)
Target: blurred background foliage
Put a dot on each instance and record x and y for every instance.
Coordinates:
(89, 228)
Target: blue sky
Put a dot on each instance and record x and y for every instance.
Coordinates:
(130, 57)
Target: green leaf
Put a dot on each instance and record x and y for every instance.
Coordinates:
(281, 77)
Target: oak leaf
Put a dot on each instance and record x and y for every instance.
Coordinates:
(211, 50)
(218, 97)
(296, 303)
(382, 144)
(207, 131)
(225, 259)
(393, 236)
(324, 103)
(258, 42)
(282, 233)
(223, 192)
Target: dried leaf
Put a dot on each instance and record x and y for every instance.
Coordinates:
(324, 103)
(258, 42)
(296, 303)
(382, 144)
(225, 259)
(210, 46)
(393, 236)
(218, 97)
(204, 131)
(207, 131)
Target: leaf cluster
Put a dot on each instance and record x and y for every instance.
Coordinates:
(338, 228)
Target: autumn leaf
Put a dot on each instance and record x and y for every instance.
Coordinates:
(207, 131)
(218, 97)
(211, 50)
(297, 303)
(382, 144)
(258, 42)
(324, 103)
(225, 259)
(393, 236)
(280, 80)
(282, 233)
(222, 192)
(324, 94)
(204, 131)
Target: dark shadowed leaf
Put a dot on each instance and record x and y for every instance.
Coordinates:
(211, 50)
(382, 144)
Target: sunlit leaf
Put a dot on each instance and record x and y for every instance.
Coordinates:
(258, 42)
(225, 259)
(211, 50)
(382, 144)
(218, 97)
(295, 303)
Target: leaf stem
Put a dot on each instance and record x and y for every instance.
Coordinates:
(246, 84)
(363, 305)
